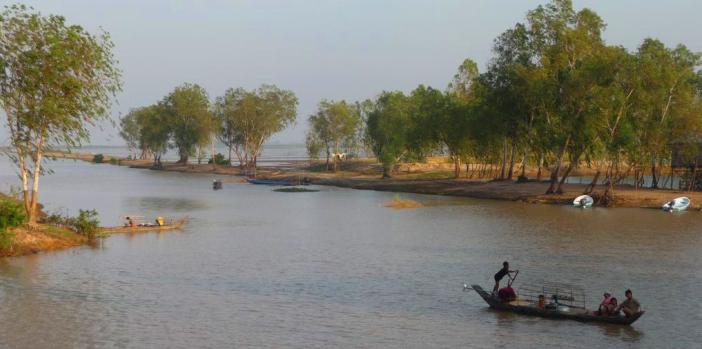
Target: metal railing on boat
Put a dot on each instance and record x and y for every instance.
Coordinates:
(563, 294)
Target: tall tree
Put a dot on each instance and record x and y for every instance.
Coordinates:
(254, 116)
(190, 119)
(334, 125)
(389, 125)
(55, 79)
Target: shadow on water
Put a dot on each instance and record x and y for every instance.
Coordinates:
(626, 333)
(163, 203)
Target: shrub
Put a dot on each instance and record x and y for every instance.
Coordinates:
(12, 214)
(114, 161)
(86, 223)
(98, 158)
(219, 159)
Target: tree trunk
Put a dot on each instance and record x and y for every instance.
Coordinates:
(510, 174)
(654, 179)
(456, 166)
(386, 171)
(541, 163)
(570, 167)
(328, 154)
(592, 184)
(504, 160)
(554, 175)
(35, 184)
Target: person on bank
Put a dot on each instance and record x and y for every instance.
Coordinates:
(629, 306)
(501, 274)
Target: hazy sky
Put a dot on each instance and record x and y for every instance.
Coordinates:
(327, 49)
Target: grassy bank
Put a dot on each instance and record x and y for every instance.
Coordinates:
(44, 237)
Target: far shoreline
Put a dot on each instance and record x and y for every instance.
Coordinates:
(419, 182)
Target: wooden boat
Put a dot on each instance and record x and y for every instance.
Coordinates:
(561, 312)
(144, 228)
(678, 204)
(584, 201)
(269, 181)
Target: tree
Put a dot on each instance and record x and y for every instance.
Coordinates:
(189, 117)
(389, 129)
(254, 116)
(334, 126)
(55, 79)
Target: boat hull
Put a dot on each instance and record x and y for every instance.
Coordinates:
(269, 182)
(142, 229)
(581, 315)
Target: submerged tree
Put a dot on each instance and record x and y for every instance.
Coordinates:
(55, 80)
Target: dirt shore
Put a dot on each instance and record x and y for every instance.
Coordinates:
(365, 175)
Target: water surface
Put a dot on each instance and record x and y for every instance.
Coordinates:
(257, 268)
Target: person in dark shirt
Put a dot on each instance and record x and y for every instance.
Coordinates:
(501, 274)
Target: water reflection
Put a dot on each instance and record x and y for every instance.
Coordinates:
(165, 203)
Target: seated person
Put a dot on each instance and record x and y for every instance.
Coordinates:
(629, 306)
(605, 302)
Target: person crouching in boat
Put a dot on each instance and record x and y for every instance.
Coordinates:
(501, 274)
(606, 301)
(629, 306)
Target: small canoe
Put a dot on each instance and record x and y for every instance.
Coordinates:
(270, 181)
(560, 313)
(584, 201)
(143, 229)
(678, 204)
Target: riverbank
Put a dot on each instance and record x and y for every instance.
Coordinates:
(26, 240)
(365, 175)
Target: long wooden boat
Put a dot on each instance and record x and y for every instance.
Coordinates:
(143, 229)
(572, 313)
(270, 181)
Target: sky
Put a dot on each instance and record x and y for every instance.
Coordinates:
(330, 49)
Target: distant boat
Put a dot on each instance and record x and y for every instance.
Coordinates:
(678, 204)
(584, 201)
(270, 181)
(216, 184)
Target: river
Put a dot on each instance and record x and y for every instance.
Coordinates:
(257, 268)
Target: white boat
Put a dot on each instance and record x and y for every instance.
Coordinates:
(678, 204)
(584, 201)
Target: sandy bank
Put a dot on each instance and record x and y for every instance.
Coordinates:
(434, 179)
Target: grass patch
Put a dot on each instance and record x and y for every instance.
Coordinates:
(400, 203)
(295, 190)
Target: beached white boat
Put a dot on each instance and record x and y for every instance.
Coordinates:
(583, 201)
(678, 204)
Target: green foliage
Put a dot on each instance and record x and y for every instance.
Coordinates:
(114, 161)
(189, 118)
(389, 127)
(219, 159)
(86, 223)
(56, 79)
(12, 214)
(98, 158)
(333, 129)
(247, 119)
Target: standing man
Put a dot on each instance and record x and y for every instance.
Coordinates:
(629, 306)
(500, 274)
